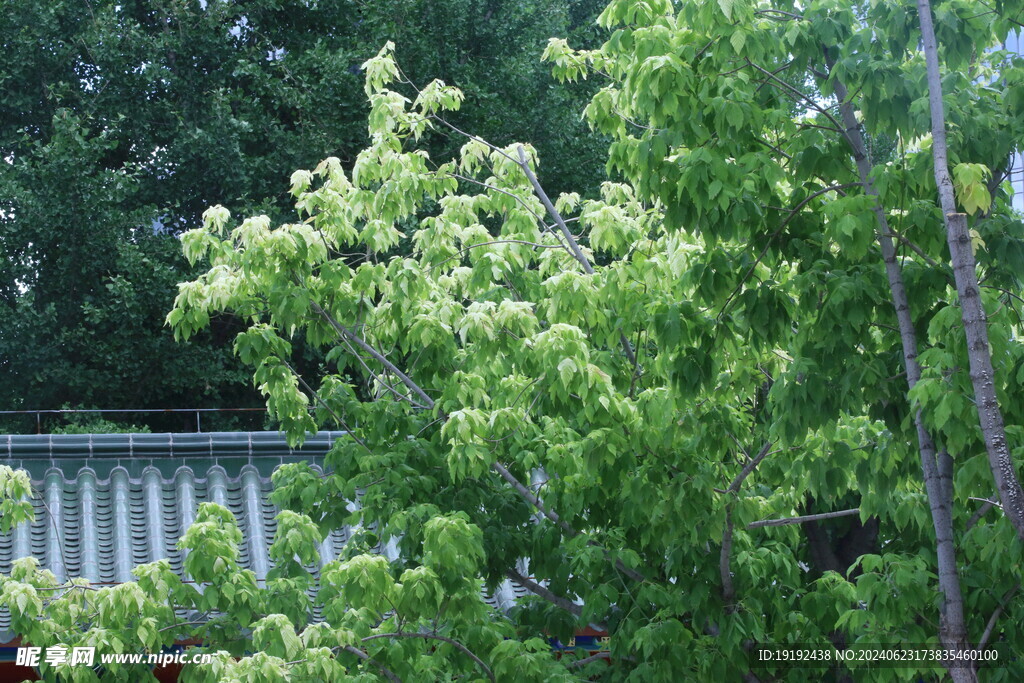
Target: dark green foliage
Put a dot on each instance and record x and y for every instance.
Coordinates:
(122, 121)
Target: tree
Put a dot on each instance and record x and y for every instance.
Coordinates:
(124, 121)
(719, 404)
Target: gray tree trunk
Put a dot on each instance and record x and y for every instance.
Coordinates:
(953, 628)
(964, 271)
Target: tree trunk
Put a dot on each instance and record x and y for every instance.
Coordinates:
(952, 628)
(964, 271)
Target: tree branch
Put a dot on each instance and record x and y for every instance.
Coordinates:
(542, 592)
(367, 658)
(799, 95)
(496, 466)
(725, 558)
(573, 245)
(953, 630)
(725, 554)
(466, 135)
(750, 467)
(500, 190)
(376, 355)
(978, 514)
(316, 397)
(916, 249)
(803, 519)
(433, 636)
(990, 626)
(587, 660)
(553, 516)
(532, 499)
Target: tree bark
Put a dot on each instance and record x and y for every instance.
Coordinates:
(952, 629)
(973, 314)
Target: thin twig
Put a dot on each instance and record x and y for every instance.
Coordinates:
(367, 658)
(725, 554)
(379, 378)
(488, 186)
(990, 626)
(916, 249)
(773, 147)
(796, 93)
(789, 15)
(379, 357)
(432, 636)
(535, 245)
(316, 397)
(473, 137)
(792, 214)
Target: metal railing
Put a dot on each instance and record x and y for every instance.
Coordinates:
(103, 411)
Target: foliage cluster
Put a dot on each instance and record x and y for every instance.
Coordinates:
(122, 121)
(726, 400)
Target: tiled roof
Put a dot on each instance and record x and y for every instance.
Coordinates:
(106, 503)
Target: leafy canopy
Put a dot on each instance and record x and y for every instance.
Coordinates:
(612, 398)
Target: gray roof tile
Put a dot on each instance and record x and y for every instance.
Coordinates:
(106, 503)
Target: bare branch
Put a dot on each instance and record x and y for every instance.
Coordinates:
(774, 148)
(532, 499)
(725, 554)
(972, 312)
(789, 15)
(466, 135)
(546, 201)
(935, 465)
(799, 95)
(724, 558)
(978, 514)
(916, 249)
(750, 467)
(488, 186)
(803, 519)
